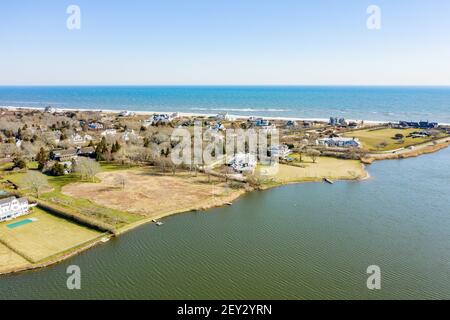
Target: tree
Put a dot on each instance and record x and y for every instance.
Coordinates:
(57, 170)
(382, 145)
(146, 142)
(115, 147)
(121, 181)
(87, 168)
(42, 157)
(19, 163)
(399, 136)
(101, 150)
(313, 154)
(35, 181)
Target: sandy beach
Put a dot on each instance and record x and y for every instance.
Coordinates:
(193, 114)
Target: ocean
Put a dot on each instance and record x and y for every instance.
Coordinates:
(368, 103)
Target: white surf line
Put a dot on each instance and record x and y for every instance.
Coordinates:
(194, 114)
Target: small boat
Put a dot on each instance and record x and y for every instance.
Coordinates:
(104, 240)
(229, 203)
(328, 181)
(159, 223)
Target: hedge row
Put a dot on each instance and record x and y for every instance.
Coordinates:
(76, 217)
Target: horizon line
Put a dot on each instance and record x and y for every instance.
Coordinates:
(228, 85)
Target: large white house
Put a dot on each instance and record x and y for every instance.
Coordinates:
(340, 142)
(12, 207)
(243, 162)
(280, 151)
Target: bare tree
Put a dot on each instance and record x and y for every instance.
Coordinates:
(87, 168)
(163, 163)
(121, 181)
(35, 181)
(313, 154)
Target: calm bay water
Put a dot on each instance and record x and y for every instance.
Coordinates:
(301, 241)
(370, 103)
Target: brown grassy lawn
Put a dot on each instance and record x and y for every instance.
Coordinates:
(325, 167)
(53, 194)
(150, 193)
(47, 236)
(9, 259)
(371, 139)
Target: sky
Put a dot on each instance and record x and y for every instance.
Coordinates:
(225, 42)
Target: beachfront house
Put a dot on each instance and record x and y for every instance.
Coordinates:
(162, 118)
(290, 124)
(12, 207)
(224, 116)
(340, 142)
(126, 113)
(334, 121)
(50, 110)
(262, 125)
(418, 125)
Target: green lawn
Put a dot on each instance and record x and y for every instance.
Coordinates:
(372, 140)
(325, 167)
(6, 166)
(44, 238)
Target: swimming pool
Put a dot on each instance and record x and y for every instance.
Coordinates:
(19, 223)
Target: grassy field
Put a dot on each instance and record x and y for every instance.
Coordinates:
(148, 193)
(9, 259)
(372, 140)
(86, 207)
(306, 170)
(46, 237)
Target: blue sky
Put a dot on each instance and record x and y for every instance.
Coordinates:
(225, 42)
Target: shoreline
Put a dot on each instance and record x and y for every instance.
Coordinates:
(428, 147)
(199, 114)
(202, 208)
(59, 258)
(226, 200)
(218, 203)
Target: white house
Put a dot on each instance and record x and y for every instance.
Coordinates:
(162, 118)
(51, 110)
(128, 135)
(126, 113)
(78, 139)
(224, 116)
(12, 207)
(280, 151)
(340, 142)
(95, 126)
(109, 132)
(243, 162)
